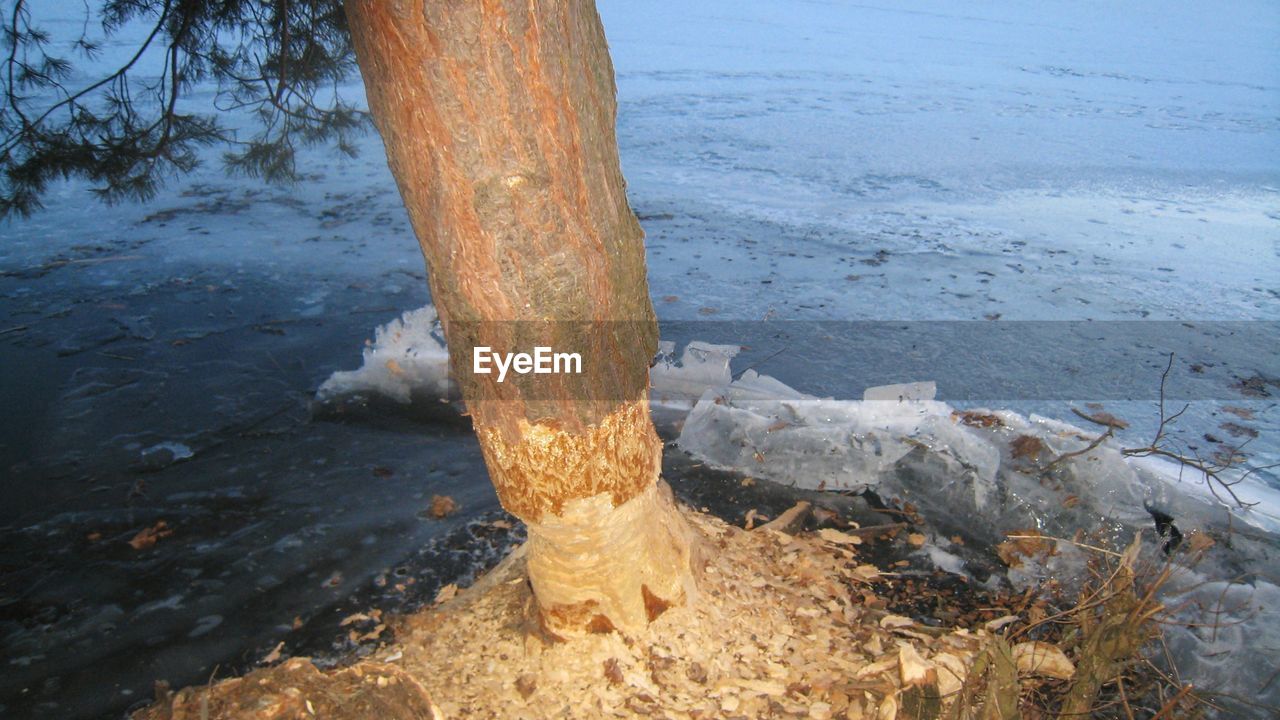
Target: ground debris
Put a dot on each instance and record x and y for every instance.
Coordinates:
(148, 537)
(1025, 544)
(441, 507)
(1040, 658)
(975, 418)
(784, 625)
(1027, 447)
(1100, 417)
(297, 689)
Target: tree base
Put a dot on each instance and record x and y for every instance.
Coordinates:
(599, 568)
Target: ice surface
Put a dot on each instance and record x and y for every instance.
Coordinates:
(765, 429)
(921, 451)
(918, 160)
(1230, 638)
(897, 441)
(902, 392)
(876, 161)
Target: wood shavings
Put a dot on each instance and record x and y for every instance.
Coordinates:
(832, 535)
(913, 669)
(782, 626)
(896, 621)
(1038, 658)
(446, 593)
(274, 655)
(995, 625)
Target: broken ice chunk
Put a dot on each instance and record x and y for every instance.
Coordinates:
(164, 454)
(407, 357)
(701, 366)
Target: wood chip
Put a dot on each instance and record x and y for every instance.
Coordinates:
(951, 673)
(791, 520)
(913, 669)
(995, 625)
(147, 537)
(1044, 659)
(832, 535)
(526, 685)
(446, 593)
(274, 655)
(762, 687)
(441, 507)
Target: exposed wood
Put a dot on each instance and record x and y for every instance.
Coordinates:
(547, 467)
(598, 567)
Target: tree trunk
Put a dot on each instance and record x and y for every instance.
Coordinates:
(498, 120)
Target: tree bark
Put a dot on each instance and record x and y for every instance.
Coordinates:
(498, 121)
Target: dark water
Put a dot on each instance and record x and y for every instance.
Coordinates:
(187, 400)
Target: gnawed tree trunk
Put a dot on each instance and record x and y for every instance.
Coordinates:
(498, 120)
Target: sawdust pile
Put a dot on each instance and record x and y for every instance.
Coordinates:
(785, 627)
(296, 689)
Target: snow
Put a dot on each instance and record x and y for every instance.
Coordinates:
(1098, 142)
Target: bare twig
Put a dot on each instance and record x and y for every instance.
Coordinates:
(1162, 446)
(1111, 431)
(1172, 705)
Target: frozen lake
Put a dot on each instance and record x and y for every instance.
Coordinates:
(861, 194)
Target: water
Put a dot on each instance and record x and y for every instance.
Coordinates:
(825, 163)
